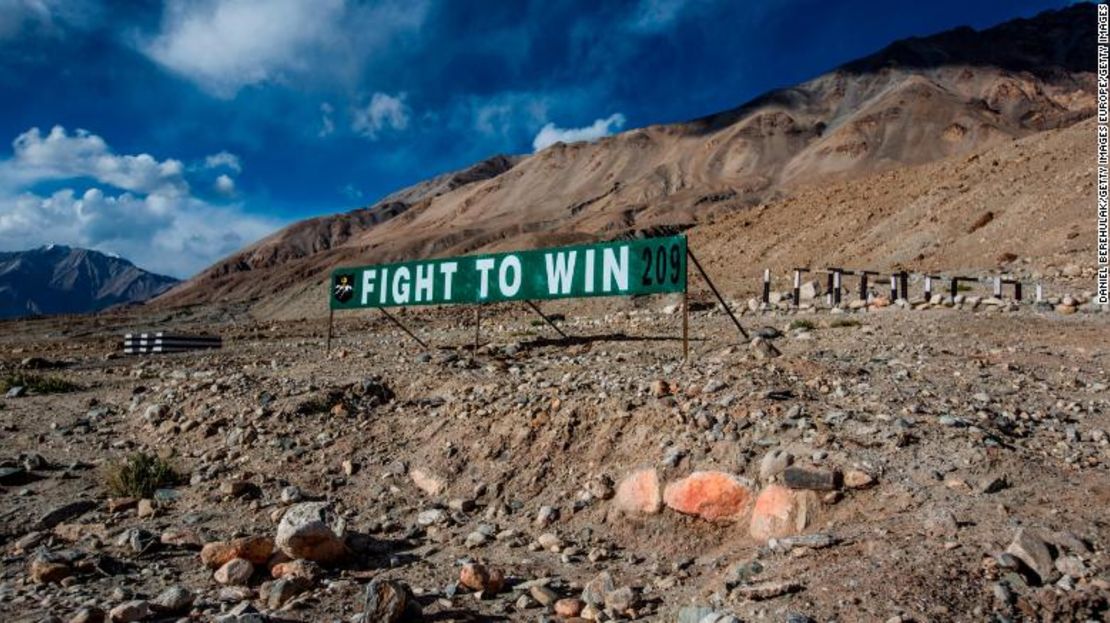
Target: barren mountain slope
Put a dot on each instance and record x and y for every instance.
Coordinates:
(1021, 207)
(57, 279)
(915, 102)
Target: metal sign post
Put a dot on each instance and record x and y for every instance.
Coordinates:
(536, 309)
(403, 328)
(863, 275)
(713, 288)
(798, 285)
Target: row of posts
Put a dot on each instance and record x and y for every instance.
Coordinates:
(899, 285)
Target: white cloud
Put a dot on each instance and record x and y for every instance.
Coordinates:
(550, 134)
(327, 124)
(225, 185)
(173, 235)
(224, 45)
(152, 219)
(351, 192)
(224, 159)
(46, 17)
(384, 111)
(653, 16)
(59, 155)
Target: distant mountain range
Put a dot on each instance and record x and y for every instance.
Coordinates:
(918, 101)
(57, 279)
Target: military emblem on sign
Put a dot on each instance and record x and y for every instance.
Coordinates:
(344, 288)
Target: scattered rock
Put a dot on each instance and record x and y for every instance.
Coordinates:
(44, 571)
(385, 601)
(65, 512)
(543, 595)
(546, 516)
(277, 593)
(173, 600)
(427, 482)
(858, 479)
(256, 549)
(305, 569)
(1031, 549)
(478, 577)
(235, 572)
(766, 590)
(306, 532)
(764, 349)
(773, 464)
(660, 388)
(621, 600)
(431, 517)
(813, 479)
(596, 589)
(569, 607)
(130, 611)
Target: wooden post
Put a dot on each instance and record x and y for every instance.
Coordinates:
(829, 287)
(766, 286)
(955, 287)
(903, 286)
(893, 288)
(1040, 293)
(797, 287)
(998, 287)
(331, 317)
(836, 286)
(1017, 290)
(685, 326)
(477, 325)
(928, 288)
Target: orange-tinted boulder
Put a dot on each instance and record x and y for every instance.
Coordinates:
(710, 495)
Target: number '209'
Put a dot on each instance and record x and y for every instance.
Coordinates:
(661, 264)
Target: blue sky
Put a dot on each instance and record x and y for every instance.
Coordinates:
(174, 132)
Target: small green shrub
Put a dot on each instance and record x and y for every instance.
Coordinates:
(38, 384)
(802, 323)
(138, 476)
(836, 323)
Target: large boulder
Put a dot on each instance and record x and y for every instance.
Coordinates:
(780, 511)
(309, 531)
(710, 495)
(639, 492)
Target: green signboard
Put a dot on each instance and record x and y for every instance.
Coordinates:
(646, 266)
